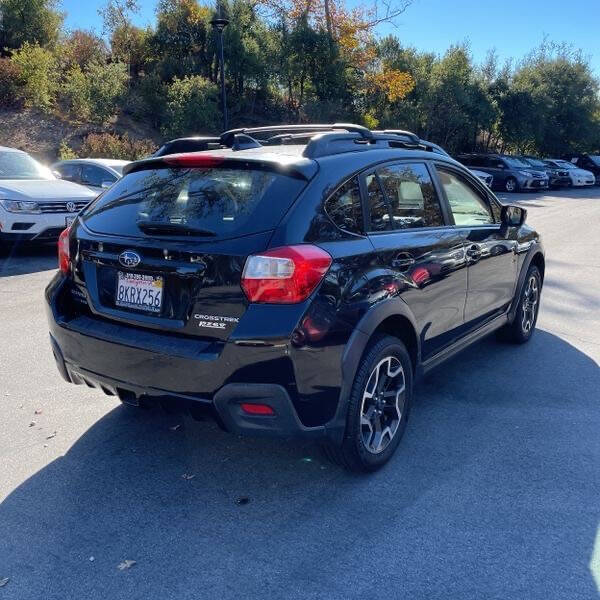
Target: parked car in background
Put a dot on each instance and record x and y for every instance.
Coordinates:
(558, 176)
(294, 290)
(587, 162)
(579, 177)
(510, 173)
(34, 204)
(95, 173)
(485, 177)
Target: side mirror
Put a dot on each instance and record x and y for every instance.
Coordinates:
(513, 216)
(106, 184)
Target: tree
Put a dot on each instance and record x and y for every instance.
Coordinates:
(81, 48)
(192, 107)
(39, 75)
(36, 22)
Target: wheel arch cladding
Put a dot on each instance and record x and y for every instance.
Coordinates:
(539, 261)
(400, 327)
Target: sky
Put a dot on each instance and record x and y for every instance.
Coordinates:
(511, 27)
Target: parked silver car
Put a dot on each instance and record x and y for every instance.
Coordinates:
(96, 174)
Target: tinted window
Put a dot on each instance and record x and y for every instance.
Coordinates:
(70, 172)
(466, 204)
(379, 215)
(495, 163)
(411, 196)
(344, 207)
(91, 175)
(227, 202)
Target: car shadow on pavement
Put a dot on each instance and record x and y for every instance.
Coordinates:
(23, 258)
(492, 494)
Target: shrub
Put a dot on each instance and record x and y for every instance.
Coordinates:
(65, 152)
(107, 84)
(110, 145)
(147, 100)
(76, 93)
(94, 94)
(10, 80)
(39, 75)
(192, 107)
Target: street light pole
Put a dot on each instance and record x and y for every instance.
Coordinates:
(219, 23)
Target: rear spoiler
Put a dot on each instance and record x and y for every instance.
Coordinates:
(280, 163)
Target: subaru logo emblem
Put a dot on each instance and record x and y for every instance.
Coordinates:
(129, 258)
(71, 206)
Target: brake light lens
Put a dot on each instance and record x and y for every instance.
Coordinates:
(193, 159)
(284, 275)
(63, 251)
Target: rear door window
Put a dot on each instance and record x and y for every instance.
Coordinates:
(219, 202)
(69, 172)
(95, 176)
(411, 196)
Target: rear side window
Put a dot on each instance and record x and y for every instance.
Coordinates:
(219, 202)
(95, 176)
(70, 172)
(344, 207)
(411, 196)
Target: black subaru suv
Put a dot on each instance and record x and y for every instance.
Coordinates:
(293, 281)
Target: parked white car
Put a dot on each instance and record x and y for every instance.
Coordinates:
(579, 177)
(97, 174)
(34, 204)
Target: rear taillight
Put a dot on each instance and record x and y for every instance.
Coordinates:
(63, 251)
(284, 275)
(193, 159)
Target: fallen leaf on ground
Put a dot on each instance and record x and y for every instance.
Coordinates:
(4, 581)
(92, 559)
(175, 427)
(242, 501)
(188, 476)
(32, 424)
(126, 564)
(37, 412)
(51, 436)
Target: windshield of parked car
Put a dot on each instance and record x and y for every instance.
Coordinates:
(534, 162)
(18, 165)
(515, 162)
(564, 164)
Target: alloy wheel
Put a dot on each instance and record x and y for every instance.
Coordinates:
(382, 404)
(529, 305)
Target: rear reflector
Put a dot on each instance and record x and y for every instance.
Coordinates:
(257, 409)
(284, 275)
(193, 159)
(63, 251)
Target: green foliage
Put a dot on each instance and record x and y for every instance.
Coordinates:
(65, 152)
(82, 48)
(39, 75)
(192, 107)
(10, 78)
(147, 100)
(109, 145)
(94, 94)
(29, 21)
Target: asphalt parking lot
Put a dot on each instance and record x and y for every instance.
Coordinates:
(494, 493)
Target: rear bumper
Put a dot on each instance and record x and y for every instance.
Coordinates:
(211, 379)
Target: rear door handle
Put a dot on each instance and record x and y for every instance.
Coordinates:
(474, 252)
(403, 261)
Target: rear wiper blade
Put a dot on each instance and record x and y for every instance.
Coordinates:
(159, 227)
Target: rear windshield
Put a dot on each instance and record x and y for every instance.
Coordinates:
(215, 202)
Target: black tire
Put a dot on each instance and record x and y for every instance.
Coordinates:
(363, 448)
(523, 325)
(511, 185)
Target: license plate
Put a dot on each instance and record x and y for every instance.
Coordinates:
(69, 221)
(138, 291)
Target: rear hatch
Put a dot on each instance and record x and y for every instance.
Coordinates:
(165, 247)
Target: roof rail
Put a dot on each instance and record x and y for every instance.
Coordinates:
(413, 137)
(227, 136)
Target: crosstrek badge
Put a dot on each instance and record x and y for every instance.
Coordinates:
(215, 321)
